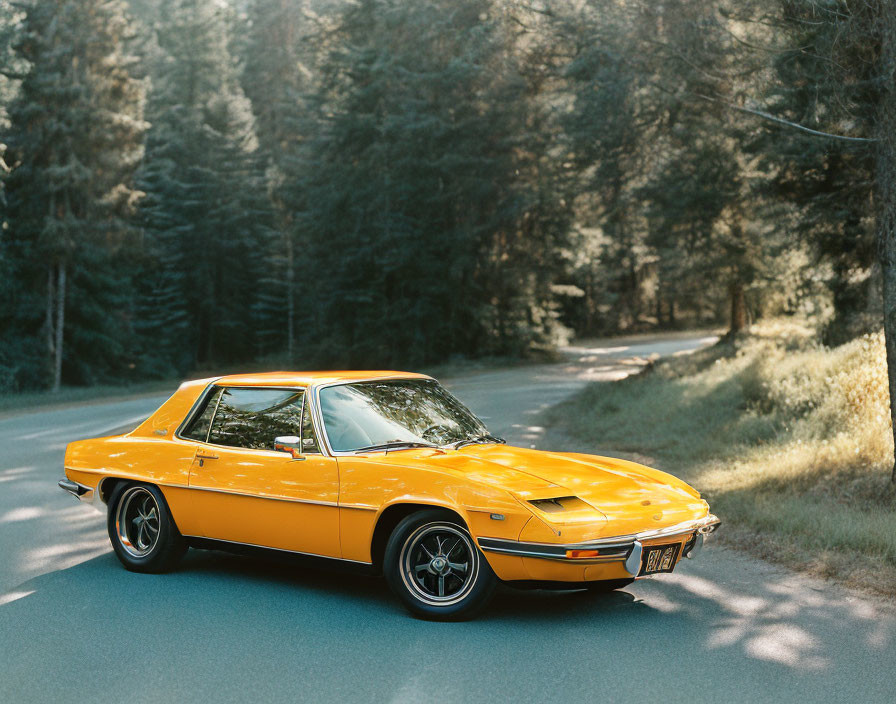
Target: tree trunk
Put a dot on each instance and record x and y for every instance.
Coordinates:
(60, 327)
(290, 299)
(634, 288)
(887, 233)
(48, 321)
(738, 307)
(885, 186)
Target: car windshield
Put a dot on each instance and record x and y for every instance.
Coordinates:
(395, 413)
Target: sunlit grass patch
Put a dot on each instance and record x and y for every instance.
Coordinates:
(788, 439)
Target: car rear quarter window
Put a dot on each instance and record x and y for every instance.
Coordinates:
(198, 427)
(253, 418)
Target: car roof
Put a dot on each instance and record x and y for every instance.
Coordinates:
(311, 378)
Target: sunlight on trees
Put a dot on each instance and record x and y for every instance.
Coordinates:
(190, 184)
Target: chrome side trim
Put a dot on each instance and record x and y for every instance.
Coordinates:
(70, 487)
(79, 491)
(268, 547)
(262, 496)
(88, 470)
(359, 507)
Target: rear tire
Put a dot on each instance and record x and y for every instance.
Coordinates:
(141, 529)
(434, 567)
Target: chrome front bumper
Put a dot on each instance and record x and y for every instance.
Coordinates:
(621, 548)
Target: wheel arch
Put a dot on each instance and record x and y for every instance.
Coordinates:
(394, 514)
(107, 485)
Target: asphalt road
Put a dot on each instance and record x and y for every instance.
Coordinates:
(723, 628)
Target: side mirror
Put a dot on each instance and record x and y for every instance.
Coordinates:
(291, 444)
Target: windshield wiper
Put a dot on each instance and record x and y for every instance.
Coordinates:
(477, 440)
(396, 445)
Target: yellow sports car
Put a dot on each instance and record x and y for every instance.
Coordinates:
(386, 471)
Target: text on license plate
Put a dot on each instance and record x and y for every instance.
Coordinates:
(659, 558)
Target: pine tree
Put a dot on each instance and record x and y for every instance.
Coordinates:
(702, 240)
(281, 49)
(9, 80)
(605, 145)
(828, 182)
(658, 160)
(424, 203)
(205, 211)
(74, 140)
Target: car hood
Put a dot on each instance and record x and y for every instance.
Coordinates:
(624, 493)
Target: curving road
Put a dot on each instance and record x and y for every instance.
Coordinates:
(723, 628)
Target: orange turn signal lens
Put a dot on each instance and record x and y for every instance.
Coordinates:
(579, 554)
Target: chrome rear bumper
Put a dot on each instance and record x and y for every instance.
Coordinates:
(620, 548)
(79, 491)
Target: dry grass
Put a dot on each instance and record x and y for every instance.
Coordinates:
(790, 441)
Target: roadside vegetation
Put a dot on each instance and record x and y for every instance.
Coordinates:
(789, 440)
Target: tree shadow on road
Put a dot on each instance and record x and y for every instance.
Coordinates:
(234, 627)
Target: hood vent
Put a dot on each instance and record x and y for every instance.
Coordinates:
(556, 505)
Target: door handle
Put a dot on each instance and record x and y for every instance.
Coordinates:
(202, 457)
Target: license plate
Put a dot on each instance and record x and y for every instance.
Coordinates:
(659, 558)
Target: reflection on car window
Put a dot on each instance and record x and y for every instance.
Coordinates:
(198, 428)
(252, 418)
(309, 439)
(397, 410)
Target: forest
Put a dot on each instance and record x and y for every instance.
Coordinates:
(197, 184)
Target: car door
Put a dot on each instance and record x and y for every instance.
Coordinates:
(245, 491)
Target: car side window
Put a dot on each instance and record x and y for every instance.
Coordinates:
(198, 427)
(309, 439)
(253, 418)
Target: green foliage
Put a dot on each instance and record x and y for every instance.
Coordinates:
(828, 182)
(74, 138)
(427, 208)
(204, 216)
(280, 49)
(399, 182)
(653, 176)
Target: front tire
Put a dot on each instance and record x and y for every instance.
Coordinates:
(143, 533)
(434, 567)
